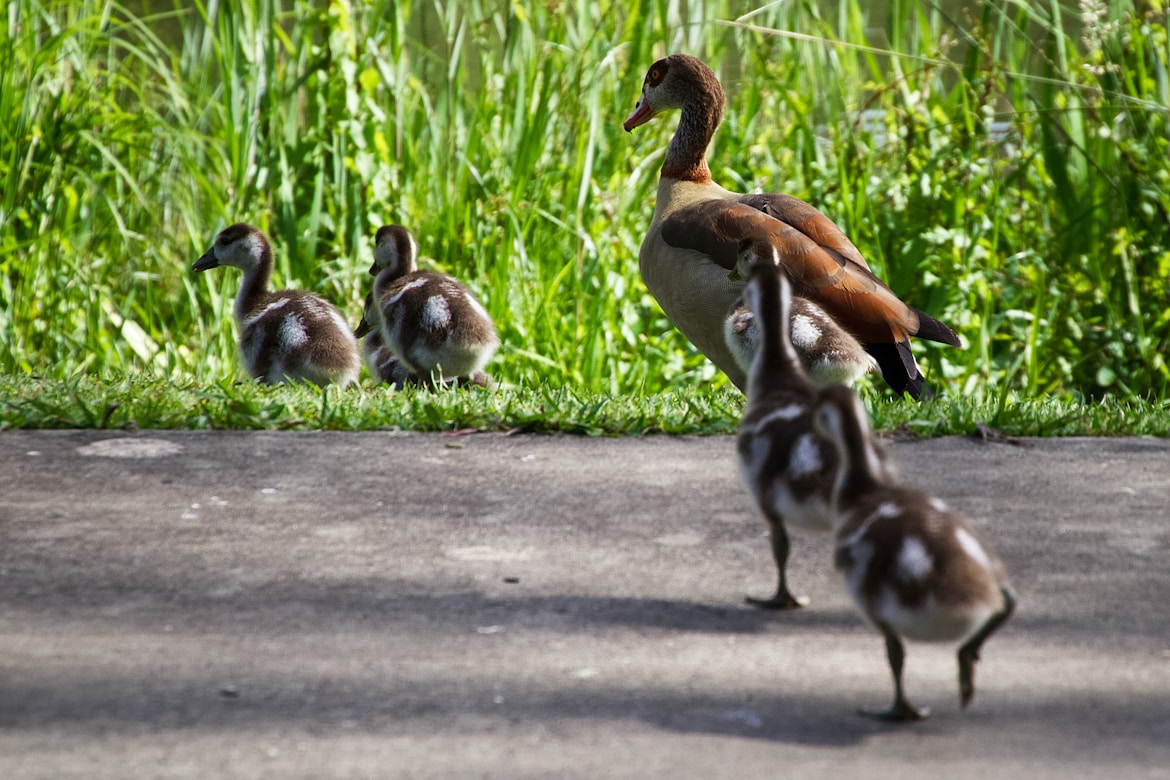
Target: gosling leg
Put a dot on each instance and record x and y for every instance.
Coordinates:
(901, 710)
(783, 598)
(969, 652)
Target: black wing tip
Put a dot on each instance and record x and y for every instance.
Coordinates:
(932, 330)
(897, 366)
(915, 386)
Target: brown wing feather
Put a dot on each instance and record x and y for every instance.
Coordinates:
(701, 227)
(873, 315)
(716, 228)
(808, 220)
(847, 290)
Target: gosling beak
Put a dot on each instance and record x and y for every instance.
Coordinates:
(208, 260)
(362, 329)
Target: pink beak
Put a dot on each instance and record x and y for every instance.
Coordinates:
(642, 114)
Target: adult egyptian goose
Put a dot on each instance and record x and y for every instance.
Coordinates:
(912, 566)
(430, 321)
(697, 227)
(284, 335)
(787, 469)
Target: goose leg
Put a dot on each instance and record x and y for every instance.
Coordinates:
(901, 710)
(969, 652)
(783, 598)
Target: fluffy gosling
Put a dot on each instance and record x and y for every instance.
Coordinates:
(430, 321)
(913, 568)
(284, 335)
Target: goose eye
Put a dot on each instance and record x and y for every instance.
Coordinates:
(655, 74)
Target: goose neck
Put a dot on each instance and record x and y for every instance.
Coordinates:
(686, 157)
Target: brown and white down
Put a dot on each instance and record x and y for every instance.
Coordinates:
(381, 361)
(912, 566)
(284, 335)
(829, 354)
(787, 469)
(431, 322)
(694, 235)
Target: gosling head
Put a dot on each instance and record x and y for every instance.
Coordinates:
(768, 287)
(754, 251)
(840, 419)
(240, 246)
(394, 249)
(834, 412)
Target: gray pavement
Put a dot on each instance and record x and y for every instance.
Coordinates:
(222, 604)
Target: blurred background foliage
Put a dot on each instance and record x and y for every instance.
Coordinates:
(1004, 165)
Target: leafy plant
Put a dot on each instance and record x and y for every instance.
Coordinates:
(1005, 169)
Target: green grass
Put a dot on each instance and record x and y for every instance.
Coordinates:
(1005, 168)
(141, 402)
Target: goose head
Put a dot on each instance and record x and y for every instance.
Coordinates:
(395, 250)
(240, 246)
(678, 81)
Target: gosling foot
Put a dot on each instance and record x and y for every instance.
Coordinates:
(901, 712)
(782, 600)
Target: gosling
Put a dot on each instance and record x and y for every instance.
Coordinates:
(913, 567)
(432, 323)
(287, 335)
(381, 361)
(787, 469)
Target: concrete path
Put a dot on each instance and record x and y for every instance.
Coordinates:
(220, 604)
